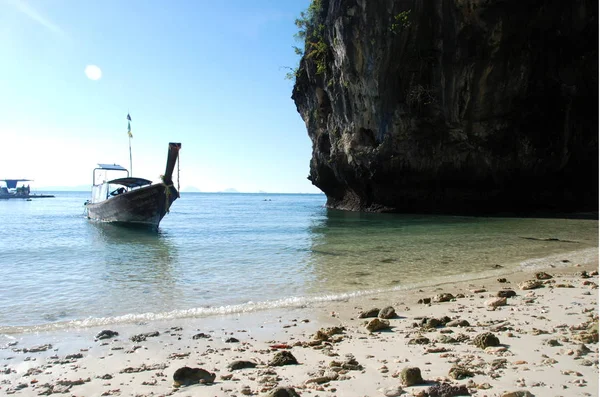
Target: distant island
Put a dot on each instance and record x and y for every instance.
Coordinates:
(230, 190)
(191, 189)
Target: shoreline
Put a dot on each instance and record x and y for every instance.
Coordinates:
(554, 261)
(76, 362)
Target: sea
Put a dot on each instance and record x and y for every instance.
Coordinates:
(217, 254)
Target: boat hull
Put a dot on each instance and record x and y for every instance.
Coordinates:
(145, 206)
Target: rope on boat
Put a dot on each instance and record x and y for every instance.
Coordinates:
(178, 175)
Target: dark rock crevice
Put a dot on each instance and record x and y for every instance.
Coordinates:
(462, 106)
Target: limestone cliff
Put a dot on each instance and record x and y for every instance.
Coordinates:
(453, 106)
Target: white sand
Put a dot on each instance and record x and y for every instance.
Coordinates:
(523, 327)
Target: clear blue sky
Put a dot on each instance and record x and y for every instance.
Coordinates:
(204, 73)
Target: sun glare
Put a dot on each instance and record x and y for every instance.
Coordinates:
(93, 72)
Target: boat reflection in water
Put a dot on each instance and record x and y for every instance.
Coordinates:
(136, 265)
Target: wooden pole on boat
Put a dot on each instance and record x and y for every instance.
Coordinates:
(130, 136)
(171, 159)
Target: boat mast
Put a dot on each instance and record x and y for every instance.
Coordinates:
(130, 136)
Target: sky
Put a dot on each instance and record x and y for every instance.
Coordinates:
(208, 74)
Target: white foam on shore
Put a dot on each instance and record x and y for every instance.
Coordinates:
(563, 260)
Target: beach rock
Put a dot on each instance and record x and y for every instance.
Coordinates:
(143, 368)
(37, 349)
(431, 323)
(424, 301)
(201, 335)
(350, 364)
(324, 377)
(282, 392)
(142, 337)
(586, 337)
(420, 340)
(485, 340)
(374, 312)
(582, 350)
(283, 358)
(496, 302)
(324, 334)
(232, 340)
(506, 293)
(530, 284)
(520, 393)
(387, 312)
(445, 339)
(443, 297)
(393, 391)
(459, 373)
(502, 280)
(542, 276)
(458, 323)
(447, 390)
(377, 325)
(106, 334)
(241, 364)
(411, 376)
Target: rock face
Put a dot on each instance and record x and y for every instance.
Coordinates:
(452, 106)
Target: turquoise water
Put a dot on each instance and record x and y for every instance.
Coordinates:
(227, 253)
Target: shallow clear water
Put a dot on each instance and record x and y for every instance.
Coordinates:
(221, 253)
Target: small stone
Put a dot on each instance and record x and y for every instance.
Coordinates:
(485, 340)
(106, 334)
(520, 393)
(542, 276)
(190, 376)
(447, 390)
(420, 340)
(432, 323)
(411, 376)
(459, 373)
(496, 302)
(282, 392)
(530, 284)
(377, 325)
(443, 297)
(393, 391)
(387, 312)
(506, 293)
(241, 364)
(374, 312)
(458, 323)
(283, 358)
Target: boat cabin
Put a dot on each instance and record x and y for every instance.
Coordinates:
(12, 190)
(104, 188)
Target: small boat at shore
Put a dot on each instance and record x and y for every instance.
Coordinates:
(13, 191)
(132, 201)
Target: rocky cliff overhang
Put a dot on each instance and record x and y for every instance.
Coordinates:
(452, 106)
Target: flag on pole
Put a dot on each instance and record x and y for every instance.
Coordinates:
(129, 126)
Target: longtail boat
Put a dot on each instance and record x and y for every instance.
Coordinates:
(132, 201)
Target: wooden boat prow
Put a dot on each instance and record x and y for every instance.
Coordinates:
(135, 201)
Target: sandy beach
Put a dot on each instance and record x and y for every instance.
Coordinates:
(539, 340)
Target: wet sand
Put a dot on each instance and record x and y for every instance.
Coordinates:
(547, 345)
